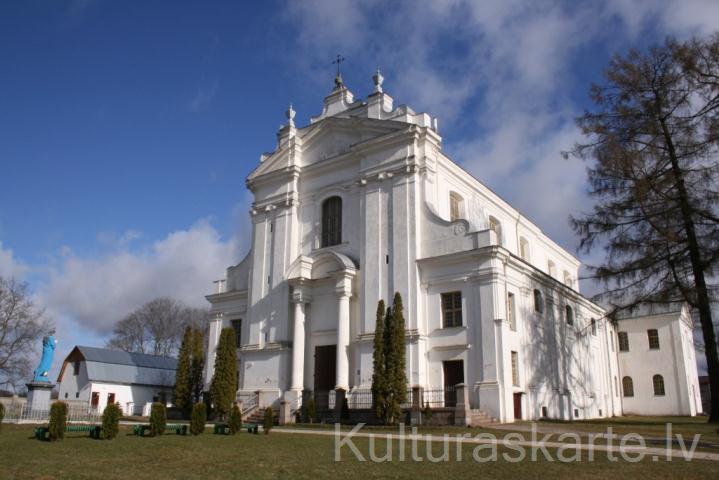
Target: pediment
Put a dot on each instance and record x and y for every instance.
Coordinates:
(326, 139)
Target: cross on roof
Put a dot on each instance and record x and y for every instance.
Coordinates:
(337, 62)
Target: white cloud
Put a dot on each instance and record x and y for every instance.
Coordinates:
(10, 266)
(502, 71)
(203, 97)
(96, 292)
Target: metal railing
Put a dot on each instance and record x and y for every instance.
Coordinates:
(20, 412)
(440, 397)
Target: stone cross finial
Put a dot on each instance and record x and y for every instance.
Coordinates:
(290, 113)
(378, 79)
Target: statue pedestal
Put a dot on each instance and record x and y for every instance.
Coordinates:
(38, 395)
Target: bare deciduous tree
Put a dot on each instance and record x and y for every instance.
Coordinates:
(22, 325)
(156, 327)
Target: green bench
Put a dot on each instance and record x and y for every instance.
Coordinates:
(222, 429)
(42, 433)
(179, 429)
(253, 428)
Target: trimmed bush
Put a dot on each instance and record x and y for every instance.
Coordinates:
(58, 421)
(158, 419)
(345, 410)
(2, 414)
(311, 410)
(427, 414)
(111, 421)
(235, 420)
(269, 420)
(198, 418)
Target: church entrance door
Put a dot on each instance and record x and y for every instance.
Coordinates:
(518, 406)
(453, 374)
(325, 374)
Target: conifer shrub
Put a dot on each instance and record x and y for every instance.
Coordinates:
(223, 388)
(427, 414)
(345, 410)
(158, 419)
(111, 421)
(2, 414)
(311, 410)
(198, 418)
(269, 420)
(235, 422)
(58, 421)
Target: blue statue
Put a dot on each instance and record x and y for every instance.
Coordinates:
(42, 371)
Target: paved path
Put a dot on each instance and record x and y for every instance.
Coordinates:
(654, 453)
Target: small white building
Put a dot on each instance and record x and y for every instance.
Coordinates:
(658, 365)
(101, 376)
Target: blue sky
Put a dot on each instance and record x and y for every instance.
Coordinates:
(127, 128)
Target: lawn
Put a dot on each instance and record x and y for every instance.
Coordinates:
(283, 455)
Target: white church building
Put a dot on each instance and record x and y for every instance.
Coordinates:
(362, 203)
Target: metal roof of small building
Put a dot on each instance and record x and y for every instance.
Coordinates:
(120, 357)
(117, 366)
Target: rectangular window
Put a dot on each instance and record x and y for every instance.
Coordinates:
(653, 336)
(623, 341)
(515, 369)
(237, 327)
(452, 309)
(510, 312)
(76, 368)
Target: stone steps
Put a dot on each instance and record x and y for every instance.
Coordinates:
(479, 417)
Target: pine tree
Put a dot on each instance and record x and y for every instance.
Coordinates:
(223, 389)
(183, 376)
(379, 379)
(197, 365)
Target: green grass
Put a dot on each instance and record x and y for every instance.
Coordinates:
(282, 455)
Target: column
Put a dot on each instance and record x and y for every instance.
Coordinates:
(343, 340)
(298, 345)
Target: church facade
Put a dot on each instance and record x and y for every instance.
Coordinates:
(362, 203)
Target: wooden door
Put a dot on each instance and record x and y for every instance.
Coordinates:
(453, 374)
(517, 406)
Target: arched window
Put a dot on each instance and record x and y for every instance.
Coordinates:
(496, 227)
(653, 336)
(623, 341)
(628, 386)
(524, 248)
(569, 315)
(332, 221)
(658, 382)
(594, 327)
(551, 268)
(538, 302)
(455, 206)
